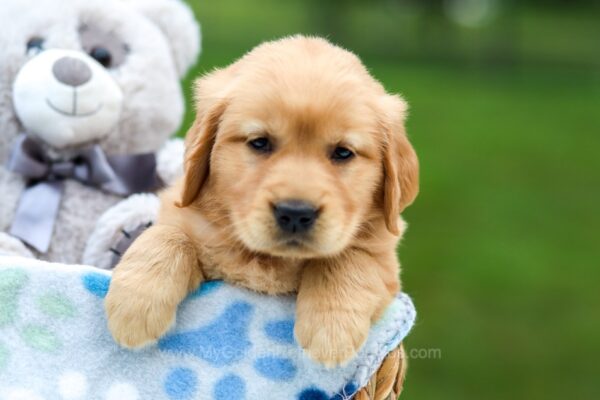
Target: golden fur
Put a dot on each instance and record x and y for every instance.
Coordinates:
(307, 96)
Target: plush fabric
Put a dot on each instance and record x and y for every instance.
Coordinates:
(154, 43)
(228, 343)
(138, 210)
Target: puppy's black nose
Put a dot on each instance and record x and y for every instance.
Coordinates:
(295, 216)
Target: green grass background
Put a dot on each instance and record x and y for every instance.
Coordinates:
(501, 256)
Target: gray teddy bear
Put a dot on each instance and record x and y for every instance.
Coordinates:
(89, 96)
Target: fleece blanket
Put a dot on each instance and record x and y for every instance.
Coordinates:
(229, 343)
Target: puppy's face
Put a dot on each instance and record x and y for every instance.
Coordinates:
(299, 144)
(298, 175)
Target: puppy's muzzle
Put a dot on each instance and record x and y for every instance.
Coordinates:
(295, 216)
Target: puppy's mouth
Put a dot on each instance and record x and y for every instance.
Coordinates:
(294, 240)
(297, 247)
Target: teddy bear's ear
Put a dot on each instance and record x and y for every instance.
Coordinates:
(177, 22)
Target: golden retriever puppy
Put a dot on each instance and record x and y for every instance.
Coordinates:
(296, 170)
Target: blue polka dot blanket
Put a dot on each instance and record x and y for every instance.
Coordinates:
(228, 344)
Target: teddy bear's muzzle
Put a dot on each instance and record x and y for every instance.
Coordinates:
(66, 98)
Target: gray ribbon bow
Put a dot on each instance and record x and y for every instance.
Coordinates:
(39, 203)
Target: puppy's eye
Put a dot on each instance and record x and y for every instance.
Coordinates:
(35, 45)
(341, 154)
(262, 145)
(102, 55)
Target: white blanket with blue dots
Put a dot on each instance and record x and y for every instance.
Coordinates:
(229, 343)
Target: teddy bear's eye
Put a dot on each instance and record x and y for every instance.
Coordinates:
(35, 45)
(102, 55)
(103, 45)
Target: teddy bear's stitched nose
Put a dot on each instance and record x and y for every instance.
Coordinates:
(71, 71)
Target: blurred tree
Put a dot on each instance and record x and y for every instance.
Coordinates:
(327, 16)
(436, 33)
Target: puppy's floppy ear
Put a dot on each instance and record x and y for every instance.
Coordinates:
(400, 163)
(201, 139)
(211, 94)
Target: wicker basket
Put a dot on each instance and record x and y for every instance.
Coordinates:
(387, 383)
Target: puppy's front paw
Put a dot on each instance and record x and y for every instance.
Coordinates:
(137, 321)
(331, 338)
